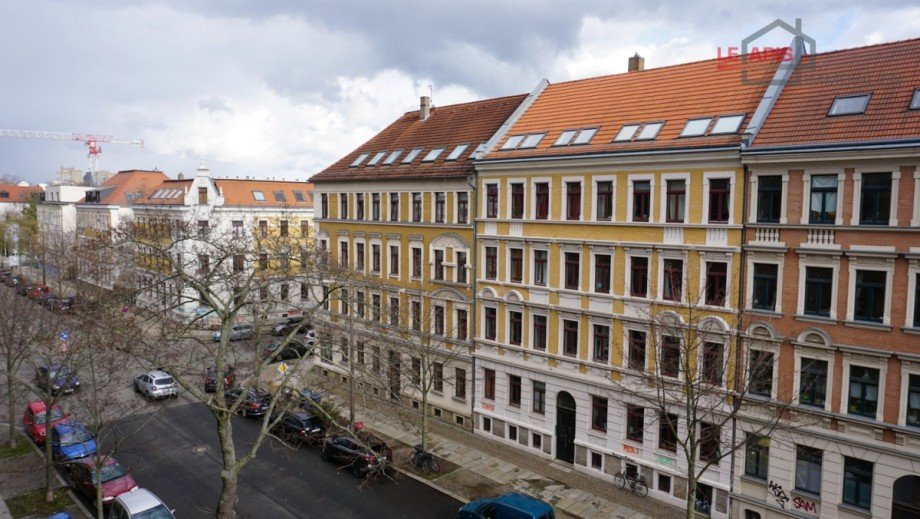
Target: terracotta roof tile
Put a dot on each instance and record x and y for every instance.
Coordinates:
(889, 71)
(447, 126)
(17, 194)
(236, 192)
(125, 187)
(673, 94)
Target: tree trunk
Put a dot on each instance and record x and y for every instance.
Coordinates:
(226, 505)
(691, 493)
(11, 401)
(49, 461)
(424, 430)
(100, 512)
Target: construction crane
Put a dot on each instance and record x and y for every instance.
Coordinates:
(89, 140)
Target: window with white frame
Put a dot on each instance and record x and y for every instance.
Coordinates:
(717, 198)
(573, 199)
(817, 287)
(760, 372)
(540, 266)
(869, 294)
(636, 349)
(603, 199)
(672, 279)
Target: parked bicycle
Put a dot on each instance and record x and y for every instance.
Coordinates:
(424, 460)
(636, 483)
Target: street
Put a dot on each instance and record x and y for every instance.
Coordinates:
(175, 454)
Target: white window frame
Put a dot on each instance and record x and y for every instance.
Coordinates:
(594, 250)
(629, 327)
(592, 321)
(530, 278)
(454, 328)
(560, 348)
(630, 254)
(718, 175)
(485, 198)
(857, 193)
(482, 321)
(805, 352)
(720, 338)
(416, 245)
(565, 198)
(659, 349)
(865, 361)
(456, 266)
(764, 258)
(531, 334)
(483, 268)
(806, 194)
(908, 368)
(593, 203)
(716, 257)
(431, 266)
(876, 264)
(913, 270)
(915, 217)
(760, 345)
(507, 212)
(531, 206)
(581, 264)
(784, 197)
(469, 207)
(398, 274)
(818, 260)
(399, 209)
(663, 197)
(370, 255)
(507, 252)
(507, 328)
(367, 250)
(672, 255)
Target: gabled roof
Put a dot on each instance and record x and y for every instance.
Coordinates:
(890, 72)
(447, 126)
(13, 194)
(237, 192)
(671, 95)
(125, 187)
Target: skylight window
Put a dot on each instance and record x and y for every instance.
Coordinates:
(532, 140)
(454, 155)
(626, 133)
(156, 194)
(279, 196)
(298, 195)
(849, 105)
(177, 194)
(393, 156)
(585, 136)
(915, 102)
(259, 196)
(411, 156)
(696, 127)
(727, 124)
(479, 149)
(359, 160)
(379, 155)
(565, 138)
(649, 131)
(433, 155)
(513, 142)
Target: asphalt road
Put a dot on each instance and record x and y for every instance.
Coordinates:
(175, 454)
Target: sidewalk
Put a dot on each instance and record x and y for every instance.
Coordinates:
(487, 468)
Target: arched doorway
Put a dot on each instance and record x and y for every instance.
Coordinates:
(905, 503)
(565, 427)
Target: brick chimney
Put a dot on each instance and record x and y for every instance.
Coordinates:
(424, 108)
(636, 63)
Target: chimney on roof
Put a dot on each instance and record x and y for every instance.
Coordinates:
(636, 63)
(424, 108)
(181, 176)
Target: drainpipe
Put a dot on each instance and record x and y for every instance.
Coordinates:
(471, 333)
(742, 274)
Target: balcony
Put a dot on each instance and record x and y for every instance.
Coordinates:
(821, 239)
(767, 236)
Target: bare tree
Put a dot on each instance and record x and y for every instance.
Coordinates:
(191, 276)
(19, 331)
(701, 387)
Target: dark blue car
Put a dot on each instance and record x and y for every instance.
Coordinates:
(71, 441)
(58, 378)
(507, 506)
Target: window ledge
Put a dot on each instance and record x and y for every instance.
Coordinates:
(815, 319)
(458, 399)
(911, 331)
(806, 494)
(854, 510)
(765, 313)
(753, 479)
(868, 325)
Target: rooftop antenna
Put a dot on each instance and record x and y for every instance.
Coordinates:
(431, 93)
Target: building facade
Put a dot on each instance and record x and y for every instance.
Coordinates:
(399, 211)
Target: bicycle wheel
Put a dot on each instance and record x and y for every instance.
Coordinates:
(619, 481)
(413, 459)
(434, 466)
(426, 465)
(641, 488)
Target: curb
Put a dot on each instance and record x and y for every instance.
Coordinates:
(70, 493)
(431, 484)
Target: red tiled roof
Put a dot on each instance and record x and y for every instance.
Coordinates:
(138, 183)
(17, 194)
(889, 71)
(447, 126)
(673, 94)
(237, 192)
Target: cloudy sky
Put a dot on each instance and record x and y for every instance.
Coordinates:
(281, 88)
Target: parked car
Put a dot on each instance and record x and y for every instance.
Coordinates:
(114, 478)
(298, 427)
(13, 280)
(37, 291)
(210, 379)
(140, 503)
(156, 384)
(289, 325)
(33, 420)
(24, 288)
(512, 505)
(70, 440)
(58, 305)
(294, 349)
(239, 332)
(255, 402)
(363, 452)
(58, 378)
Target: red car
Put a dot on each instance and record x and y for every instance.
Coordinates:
(115, 479)
(38, 291)
(33, 420)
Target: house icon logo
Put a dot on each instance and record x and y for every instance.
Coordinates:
(790, 56)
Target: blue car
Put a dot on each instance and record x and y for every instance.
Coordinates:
(507, 506)
(71, 441)
(57, 378)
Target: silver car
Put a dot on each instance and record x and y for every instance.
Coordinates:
(156, 384)
(140, 502)
(239, 332)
